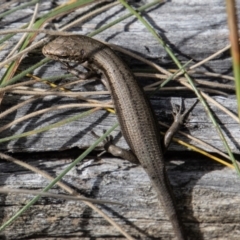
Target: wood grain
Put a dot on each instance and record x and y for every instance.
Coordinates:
(207, 193)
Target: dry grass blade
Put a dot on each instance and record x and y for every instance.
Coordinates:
(53, 195)
(25, 35)
(235, 49)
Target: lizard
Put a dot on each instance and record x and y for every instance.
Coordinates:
(136, 118)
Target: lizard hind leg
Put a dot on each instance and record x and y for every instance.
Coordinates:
(116, 151)
(178, 121)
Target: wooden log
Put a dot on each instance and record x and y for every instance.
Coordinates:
(207, 193)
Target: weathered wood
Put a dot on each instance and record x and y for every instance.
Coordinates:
(186, 32)
(66, 136)
(207, 193)
(207, 197)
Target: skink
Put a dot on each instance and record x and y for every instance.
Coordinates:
(135, 115)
